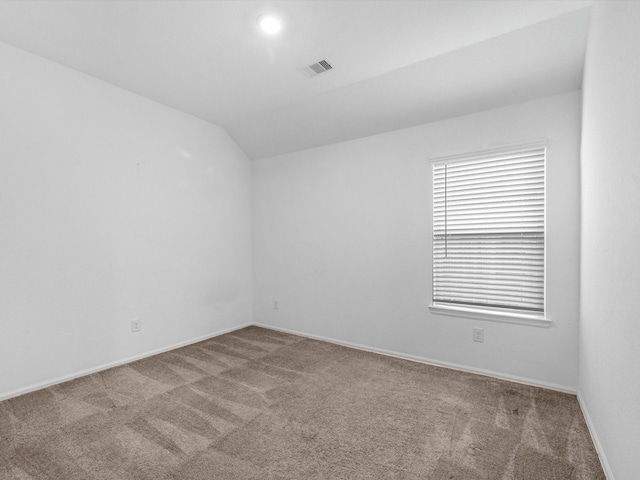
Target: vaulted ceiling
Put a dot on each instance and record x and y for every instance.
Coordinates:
(396, 63)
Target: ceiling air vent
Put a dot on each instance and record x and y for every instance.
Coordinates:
(316, 68)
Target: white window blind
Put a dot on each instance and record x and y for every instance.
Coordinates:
(489, 230)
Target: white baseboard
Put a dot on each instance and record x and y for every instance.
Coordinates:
(105, 366)
(428, 361)
(513, 378)
(594, 436)
(415, 358)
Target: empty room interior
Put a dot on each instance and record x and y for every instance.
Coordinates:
(320, 240)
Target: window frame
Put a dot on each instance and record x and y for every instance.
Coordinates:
(498, 314)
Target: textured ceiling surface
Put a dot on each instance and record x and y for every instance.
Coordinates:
(396, 63)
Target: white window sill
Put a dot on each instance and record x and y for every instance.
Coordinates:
(492, 316)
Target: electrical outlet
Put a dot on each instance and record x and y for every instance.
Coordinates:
(478, 335)
(276, 305)
(135, 325)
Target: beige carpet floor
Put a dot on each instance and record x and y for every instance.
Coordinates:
(258, 404)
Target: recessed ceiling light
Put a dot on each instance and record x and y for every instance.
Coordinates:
(269, 23)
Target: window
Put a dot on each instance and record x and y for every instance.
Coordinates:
(489, 231)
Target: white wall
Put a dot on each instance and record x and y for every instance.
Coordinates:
(112, 207)
(342, 241)
(610, 279)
